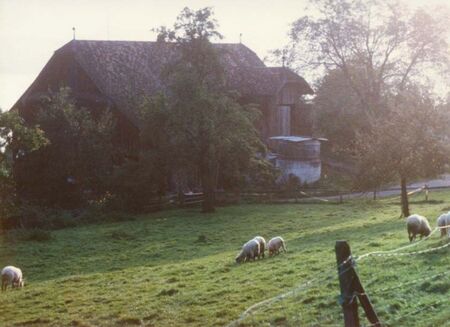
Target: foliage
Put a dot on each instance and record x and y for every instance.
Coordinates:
(134, 184)
(78, 159)
(206, 132)
(33, 235)
(16, 141)
(198, 282)
(387, 44)
(338, 116)
(375, 53)
(408, 143)
(368, 51)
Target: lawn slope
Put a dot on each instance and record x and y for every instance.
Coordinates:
(176, 268)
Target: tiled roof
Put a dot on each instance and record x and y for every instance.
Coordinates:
(124, 70)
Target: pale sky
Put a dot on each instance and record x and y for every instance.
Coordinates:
(31, 30)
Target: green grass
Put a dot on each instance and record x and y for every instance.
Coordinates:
(176, 268)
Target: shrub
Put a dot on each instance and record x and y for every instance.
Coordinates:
(35, 235)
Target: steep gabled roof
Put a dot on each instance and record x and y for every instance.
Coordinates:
(127, 70)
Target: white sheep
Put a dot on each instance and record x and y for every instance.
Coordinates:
(249, 251)
(444, 220)
(13, 275)
(262, 245)
(417, 224)
(275, 244)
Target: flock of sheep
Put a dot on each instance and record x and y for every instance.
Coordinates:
(255, 248)
(251, 250)
(416, 225)
(419, 225)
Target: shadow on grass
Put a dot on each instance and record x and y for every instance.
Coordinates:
(160, 241)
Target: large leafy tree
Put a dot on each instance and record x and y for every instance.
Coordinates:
(378, 46)
(379, 50)
(136, 183)
(204, 129)
(17, 140)
(78, 158)
(410, 142)
(338, 115)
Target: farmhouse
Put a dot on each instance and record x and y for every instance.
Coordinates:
(118, 74)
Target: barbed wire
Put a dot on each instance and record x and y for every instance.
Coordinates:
(395, 254)
(414, 281)
(423, 307)
(387, 252)
(292, 292)
(331, 274)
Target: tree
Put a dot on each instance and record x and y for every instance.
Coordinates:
(378, 46)
(78, 158)
(338, 115)
(380, 49)
(409, 143)
(206, 131)
(136, 183)
(17, 140)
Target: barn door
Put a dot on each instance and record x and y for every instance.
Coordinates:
(284, 120)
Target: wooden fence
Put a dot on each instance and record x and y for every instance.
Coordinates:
(304, 195)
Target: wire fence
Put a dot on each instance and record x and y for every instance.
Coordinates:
(274, 305)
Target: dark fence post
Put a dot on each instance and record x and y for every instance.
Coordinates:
(347, 298)
(181, 198)
(351, 289)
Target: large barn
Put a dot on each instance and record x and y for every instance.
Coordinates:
(118, 74)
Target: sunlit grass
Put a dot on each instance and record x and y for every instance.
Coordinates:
(176, 268)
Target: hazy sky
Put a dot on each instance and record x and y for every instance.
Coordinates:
(31, 30)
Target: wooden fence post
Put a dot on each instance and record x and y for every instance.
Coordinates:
(180, 198)
(352, 289)
(426, 192)
(347, 298)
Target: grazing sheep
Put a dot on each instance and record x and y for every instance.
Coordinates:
(249, 251)
(262, 245)
(444, 220)
(417, 224)
(13, 275)
(275, 244)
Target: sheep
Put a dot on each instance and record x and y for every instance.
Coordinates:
(262, 245)
(275, 244)
(417, 224)
(249, 251)
(13, 275)
(444, 220)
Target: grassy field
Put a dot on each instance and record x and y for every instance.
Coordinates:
(156, 270)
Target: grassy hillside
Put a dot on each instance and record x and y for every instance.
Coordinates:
(156, 270)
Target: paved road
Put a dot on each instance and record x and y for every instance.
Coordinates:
(443, 181)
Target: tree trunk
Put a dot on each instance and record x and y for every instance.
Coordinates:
(405, 203)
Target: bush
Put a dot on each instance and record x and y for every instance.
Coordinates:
(135, 184)
(30, 216)
(35, 234)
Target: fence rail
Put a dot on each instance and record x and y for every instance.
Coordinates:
(304, 195)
